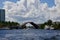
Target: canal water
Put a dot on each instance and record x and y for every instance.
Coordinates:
(29, 34)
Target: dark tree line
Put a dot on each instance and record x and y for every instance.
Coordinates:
(8, 24)
(55, 25)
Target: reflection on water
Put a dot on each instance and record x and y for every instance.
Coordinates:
(29, 34)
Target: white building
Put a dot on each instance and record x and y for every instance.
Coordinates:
(48, 27)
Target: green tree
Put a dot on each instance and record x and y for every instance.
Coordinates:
(41, 26)
(49, 22)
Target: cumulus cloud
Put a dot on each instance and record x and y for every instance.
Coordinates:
(31, 10)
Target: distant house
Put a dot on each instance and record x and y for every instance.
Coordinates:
(48, 27)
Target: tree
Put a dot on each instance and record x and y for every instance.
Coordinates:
(49, 22)
(41, 26)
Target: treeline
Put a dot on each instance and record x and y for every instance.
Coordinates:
(8, 24)
(15, 25)
(50, 23)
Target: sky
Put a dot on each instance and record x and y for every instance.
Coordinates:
(1, 2)
(37, 11)
(50, 2)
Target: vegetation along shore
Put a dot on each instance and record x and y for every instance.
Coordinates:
(46, 25)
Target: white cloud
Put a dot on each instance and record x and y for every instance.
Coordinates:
(31, 10)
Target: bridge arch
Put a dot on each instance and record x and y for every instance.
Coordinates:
(32, 23)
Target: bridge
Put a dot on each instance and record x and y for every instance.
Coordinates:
(32, 23)
(23, 26)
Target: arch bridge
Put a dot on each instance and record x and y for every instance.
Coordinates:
(32, 23)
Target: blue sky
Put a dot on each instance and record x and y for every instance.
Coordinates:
(1, 2)
(31, 15)
(49, 2)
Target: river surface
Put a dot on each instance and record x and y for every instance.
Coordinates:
(29, 34)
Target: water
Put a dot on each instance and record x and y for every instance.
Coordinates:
(29, 34)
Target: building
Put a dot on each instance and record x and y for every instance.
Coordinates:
(49, 27)
(2, 15)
